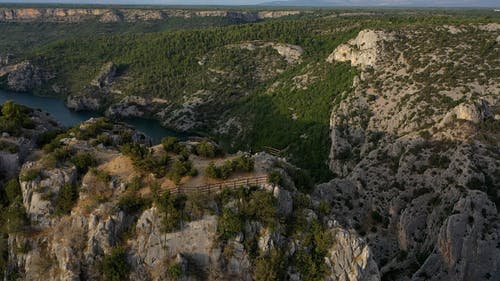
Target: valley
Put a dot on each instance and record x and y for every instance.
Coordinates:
(249, 144)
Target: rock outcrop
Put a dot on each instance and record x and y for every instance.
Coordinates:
(127, 15)
(96, 96)
(24, 77)
(417, 161)
(350, 258)
(106, 76)
(364, 50)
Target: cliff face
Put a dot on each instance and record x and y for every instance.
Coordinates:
(78, 218)
(416, 148)
(127, 15)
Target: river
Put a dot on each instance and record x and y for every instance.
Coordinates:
(67, 117)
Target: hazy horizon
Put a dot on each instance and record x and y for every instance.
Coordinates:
(333, 3)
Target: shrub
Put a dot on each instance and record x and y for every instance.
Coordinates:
(377, 217)
(48, 137)
(170, 144)
(270, 266)
(114, 266)
(135, 184)
(243, 163)
(274, 178)
(239, 164)
(229, 224)
(9, 147)
(207, 150)
(14, 117)
(175, 270)
(261, 206)
(180, 169)
(131, 202)
(66, 199)
(52, 145)
(104, 139)
(92, 130)
(13, 191)
(30, 175)
(135, 151)
(14, 218)
(212, 171)
(101, 175)
(172, 207)
(61, 154)
(84, 161)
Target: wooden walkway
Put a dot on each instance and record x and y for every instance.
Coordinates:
(216, 187)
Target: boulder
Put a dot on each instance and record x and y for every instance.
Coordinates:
(350, 258)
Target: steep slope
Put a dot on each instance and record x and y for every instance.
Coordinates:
(416, 147)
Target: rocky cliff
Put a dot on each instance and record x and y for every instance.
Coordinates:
(24, 76)
(127, 15)
(416, 148)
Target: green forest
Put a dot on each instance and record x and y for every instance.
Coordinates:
(162, 60)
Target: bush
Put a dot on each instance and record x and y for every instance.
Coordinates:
(101, 175)
(131, 202)
(14, 218)
(175, 271)
(207, 150)
(270, 266)
(30, 175)
(135, 151)
(61, 154)
(239, 164)
(92, 130)
(48, 137)
(9, 147)
(243, 163)
(274, 178)
(170, 144)
(229, 224)
(114, 266)
(172, 207)
(180, 169)
(13, 191)
(212, 171)
(52, 145)
(66, 199)
(14, 117)
(83, 161)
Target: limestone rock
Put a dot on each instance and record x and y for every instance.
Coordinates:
(364, 50)
(25, 76)
(84, 102)
(350, 258)
(473, 112)
(105, 76)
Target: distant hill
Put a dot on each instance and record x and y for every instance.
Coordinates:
(366, 3)
(307, 3)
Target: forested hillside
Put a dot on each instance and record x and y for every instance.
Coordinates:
(250, 85)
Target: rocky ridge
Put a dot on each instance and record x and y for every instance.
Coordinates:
(417, 154)
(127, 15)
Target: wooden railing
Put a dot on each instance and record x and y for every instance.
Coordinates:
(273, 151)
(215, 187)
